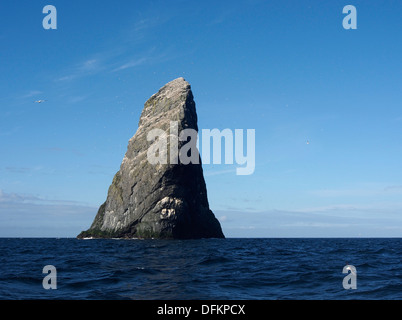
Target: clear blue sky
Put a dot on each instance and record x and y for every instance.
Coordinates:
(287, 69)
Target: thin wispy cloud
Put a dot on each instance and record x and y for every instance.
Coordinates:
(150, 56)
(141, 29)
(393, 188)
(335, 221)
(219, 172)
(76, 99)
(31, 93)
(18, 170)
(30, 215)
(85, 68)
(118, 58)
(24, 171)
(89, 65)
(15, 197)
(132, 64)
(66, 78)
(148, 23)
(18, 198)
(222, 17)
(367, 191)
(301, 224)
(111, 62)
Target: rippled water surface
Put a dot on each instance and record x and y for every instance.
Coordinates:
(201, 269)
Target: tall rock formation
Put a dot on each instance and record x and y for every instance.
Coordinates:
(148, 200)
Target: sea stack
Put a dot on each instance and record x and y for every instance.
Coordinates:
(162, 200)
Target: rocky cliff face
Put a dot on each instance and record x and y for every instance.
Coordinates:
(148, 200)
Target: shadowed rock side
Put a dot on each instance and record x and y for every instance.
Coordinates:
(158, 200)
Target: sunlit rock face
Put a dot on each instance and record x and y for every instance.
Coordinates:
(162, 200)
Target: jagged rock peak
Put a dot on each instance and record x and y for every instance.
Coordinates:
(160, 200)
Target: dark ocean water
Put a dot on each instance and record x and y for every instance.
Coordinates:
(234, 269)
